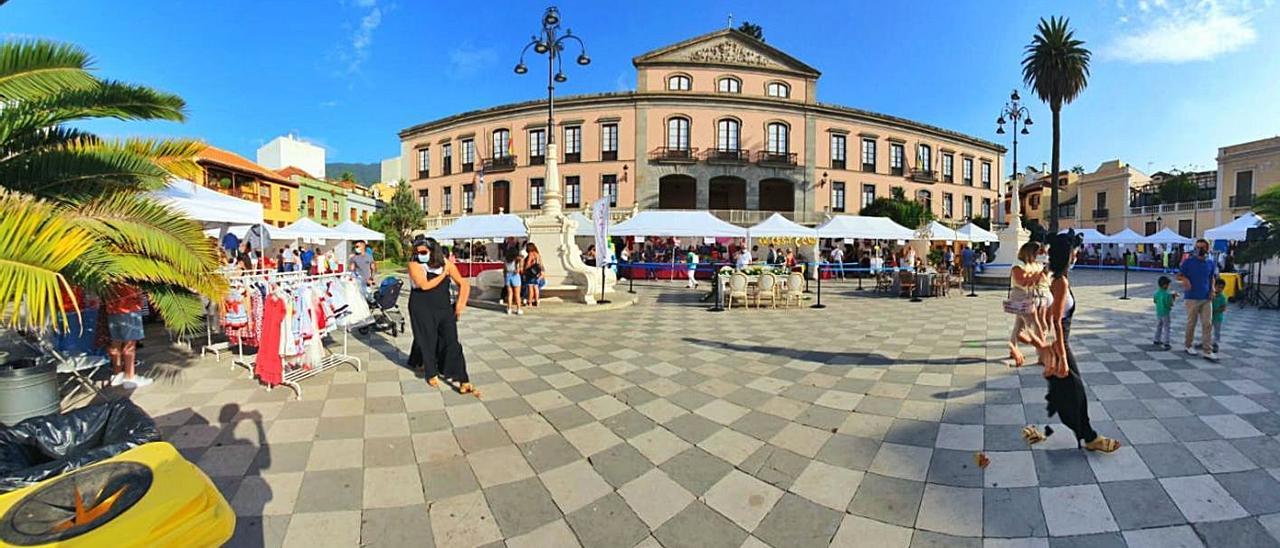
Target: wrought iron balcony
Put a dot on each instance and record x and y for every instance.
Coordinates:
(727, 156)
(783, 159)
(1242, 200)
(499, 164)
(537, 160)
(837, 164)
(924, 176)
(1100, 213)
(868, 168)
(423, 174)
(668, 155)
(468, 166)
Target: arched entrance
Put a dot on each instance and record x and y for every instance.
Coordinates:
(777, 195)
(677, 192)
(501, 197)
(728, 193)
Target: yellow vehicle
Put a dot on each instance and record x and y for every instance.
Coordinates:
(146, 496)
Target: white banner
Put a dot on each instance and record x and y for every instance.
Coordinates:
(600, 216)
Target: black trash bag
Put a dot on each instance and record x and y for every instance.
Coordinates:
(40, 448)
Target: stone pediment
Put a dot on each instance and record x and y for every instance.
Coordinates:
(726, 48)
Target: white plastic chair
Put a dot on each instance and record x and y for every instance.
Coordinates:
(767, 287)
(795, 288)
(738, 288)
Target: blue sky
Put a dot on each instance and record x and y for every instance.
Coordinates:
(1171, 80)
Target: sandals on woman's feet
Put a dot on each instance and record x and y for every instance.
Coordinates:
(434, 381)
(467, 388)
(1032, 435)
(1103, 444)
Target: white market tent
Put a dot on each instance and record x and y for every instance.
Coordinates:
(305, 229)
(1168, 237)
(940, 232)
(208, 206)
(351, 230)
(483, 227)
(777, 226)
(677, 224)
(870, 228)
(1126, 237)
(1092, 236)
(975, 233)
(586, 227)
(1234, 230)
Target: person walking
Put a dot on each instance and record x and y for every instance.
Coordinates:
(1164, 312)
(434, 320)
(1219, 309)
(1066, 397)
(1025, 279)
(691, 262)
(362, 266)
(511, 280)
(533, 273)
(837, 260)
(124, 323)
(1197, 273)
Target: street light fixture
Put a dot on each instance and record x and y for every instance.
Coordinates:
(1015, 112)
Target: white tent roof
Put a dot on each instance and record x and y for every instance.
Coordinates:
(1092, 236)
(208, 206)
(940, 232)
(585, 226)
(351, 230)
(483, 227)
(872, 228)
(1127, 236)
(778, 226)
(678, 224)
(975, 233)
(1234, 230)
(305, 229)
(1167, 236)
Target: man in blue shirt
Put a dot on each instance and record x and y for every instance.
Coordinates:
(1197, 273)
(307, 257)
(967, 258)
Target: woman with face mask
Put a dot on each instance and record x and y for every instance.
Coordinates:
(434, 319)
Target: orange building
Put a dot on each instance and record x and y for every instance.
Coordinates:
(234, 175)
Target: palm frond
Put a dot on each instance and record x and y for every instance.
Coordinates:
(33, 69)
(37, 241)
(112, 99)
(177, 156)
(133, 224)
(182, 310)
(1056, 64)
(82, 168)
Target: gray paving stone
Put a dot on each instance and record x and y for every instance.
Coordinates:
(1141, 504)
(522, 506)
(393, 527)
(794, 521)
(447, 478)
(912, 432)
(331, 490)
(930, 539)
(1241, 533)
(479, 437)
(629, 424)
(696, 470)
(1099, 540)
(1012, 512)
(1262, 450)
(954, 468)
(761, 426)
(428, 421)
(775, 466)
(1169, 459)
(852, 452)
(380, 452)
(548, 453)
(886, 499)
(1256, 490)
(567, 417)
(1058, 467)
(698, 526)
(692, 428)
(606, 523)
(620, 464)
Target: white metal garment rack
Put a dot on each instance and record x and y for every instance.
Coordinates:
(211, 310)
(292, 377)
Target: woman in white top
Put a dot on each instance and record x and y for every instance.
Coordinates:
(1025, 279)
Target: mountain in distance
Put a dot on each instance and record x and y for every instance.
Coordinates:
(366, 174)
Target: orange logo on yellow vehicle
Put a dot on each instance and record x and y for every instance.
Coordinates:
(85, 515)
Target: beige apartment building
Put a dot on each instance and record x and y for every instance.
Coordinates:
(1117, 196)
(721, 122)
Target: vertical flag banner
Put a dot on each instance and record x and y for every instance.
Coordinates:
(600, 216)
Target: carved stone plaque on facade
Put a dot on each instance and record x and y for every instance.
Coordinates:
(728, 53)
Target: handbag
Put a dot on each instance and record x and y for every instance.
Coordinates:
(533, 270)
(1017, 307)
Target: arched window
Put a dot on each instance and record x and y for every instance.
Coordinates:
(778, 138)
(501, 143)
(727, 132)
(678, 133)
(729, 84)
(679, 82)
(777, 89)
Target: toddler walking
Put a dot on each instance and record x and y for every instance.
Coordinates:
(1219, 309)
(1164, 310)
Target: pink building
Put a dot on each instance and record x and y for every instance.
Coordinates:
(721, 122)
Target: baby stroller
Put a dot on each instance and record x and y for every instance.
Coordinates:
(384, 307)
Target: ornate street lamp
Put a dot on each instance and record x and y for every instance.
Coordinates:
(1015, 112)
(551, 43)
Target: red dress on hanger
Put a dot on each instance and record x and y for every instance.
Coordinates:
(268, 366)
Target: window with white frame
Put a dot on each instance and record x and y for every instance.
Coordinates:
(868, 194)
(424, 200)
(678, 133)
(424, 162)
(609, 142)
(468, 154)
(446, 158)
(447, 204)
(537, 145)
(967, 171)
(924, 158)
(967, 210)
(609, 188)
(837, 197)
(946, 205)
(778, 141)
(729, 85)
(679, 82)
(501, 143)
(727, 135)
(468, 198)
(572, 143)
(837, 151)
(986, 208)
(536, 190)
(869, 155)
(948, 167)
(986, 174)
(572, 191)
(778, 89)
(897, 154)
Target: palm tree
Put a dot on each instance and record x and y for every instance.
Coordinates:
(76, 206)
(1056, 66)
(1267, 206)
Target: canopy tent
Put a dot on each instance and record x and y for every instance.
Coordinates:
(1092, 236)
(1167, 236)
(586, 227)
(1127, 236)
(677, 224)
(871, 228)
(483, 227)
(208, 206)
(1234, 230)
(777, 226)
(975, 233)
(305, 229)
(940, 232)
(351, 230)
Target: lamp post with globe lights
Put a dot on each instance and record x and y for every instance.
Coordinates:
(1014, 112)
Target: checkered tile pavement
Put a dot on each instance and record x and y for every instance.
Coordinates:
(664, 425)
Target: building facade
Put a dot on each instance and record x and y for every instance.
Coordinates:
(324, 202)
(721, 122)
(361, 202)
(234, 175)
(288, 150)
(1245, 171)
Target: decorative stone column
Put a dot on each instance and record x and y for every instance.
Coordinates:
(1011, 238)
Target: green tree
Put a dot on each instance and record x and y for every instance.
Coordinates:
(1056, 66)
(1178, 188)
(397, 221)
(1267, 206)
(347, 176)
(910, 214)
(752, 29)
(1077, 169)
(76, 206)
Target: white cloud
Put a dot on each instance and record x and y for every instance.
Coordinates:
(357, 50)
(467, 60)
(1193, 31)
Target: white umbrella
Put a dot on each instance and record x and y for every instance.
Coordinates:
(1127, 236)
(870, 228)
(975, 233)
(1167, 237)
(483, 227)
(305, 229)
(1234, 230)
(940, 232)
(351, 230)
(677, 224)
(1092, 236)
(778, 226)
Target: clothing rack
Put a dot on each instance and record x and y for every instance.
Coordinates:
(260, 274)
(292, 377)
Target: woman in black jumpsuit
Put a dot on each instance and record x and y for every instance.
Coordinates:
(434, 319)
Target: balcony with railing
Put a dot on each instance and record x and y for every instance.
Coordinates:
(468, 167)
(1192, 205)
(776, 159)
(669, 155)
(924, 176)
(1101, 213)
(727, 156)
(1242, 200)
(837, 164)
(537, 160)
(499, 164)
(868, 168)
(423, 174)
(1067, 211)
